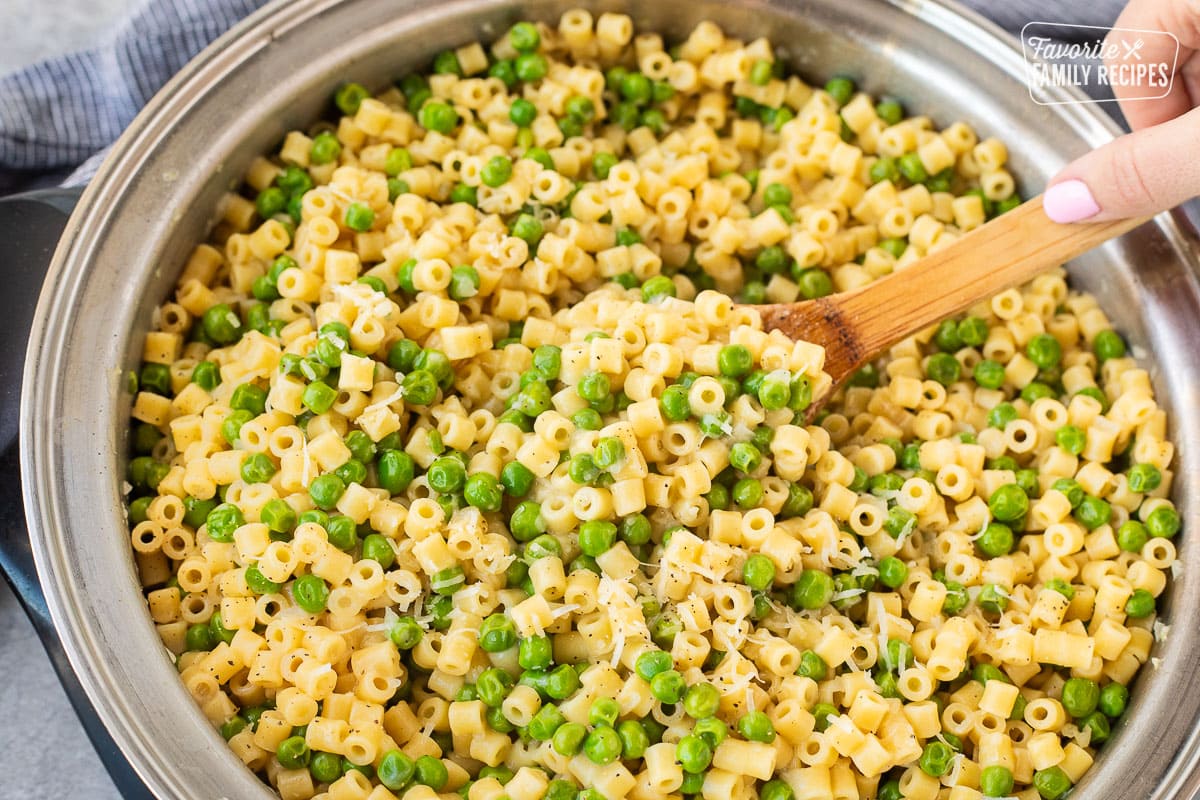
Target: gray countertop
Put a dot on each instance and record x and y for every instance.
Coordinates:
(43, 749)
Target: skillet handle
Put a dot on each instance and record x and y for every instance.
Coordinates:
(30, 226)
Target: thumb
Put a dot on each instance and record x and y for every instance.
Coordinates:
(1136, 175)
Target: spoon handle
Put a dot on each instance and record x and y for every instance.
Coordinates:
(1006, 252)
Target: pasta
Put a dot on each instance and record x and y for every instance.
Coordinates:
(457, 468)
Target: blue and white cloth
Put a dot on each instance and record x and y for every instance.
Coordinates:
(58, 117)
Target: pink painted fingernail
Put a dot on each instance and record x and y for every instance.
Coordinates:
(1070, 201)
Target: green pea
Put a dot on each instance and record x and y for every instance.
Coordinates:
(758, 573)
(483, 491)
(656, 287)
(562, 682)
(325, 490)
(318, 397)
(1140, 604)
(206, 375)
(221, 324)
(801, 393)
(651, 663)
(997, 540)
(912, 168)
(561, 790)
(956, 598)
(156, 378)
(892, 572)
(1008, 502)
(195, 512)
(1093, 512)
(526, 521)
(218, 631)
(993, 599)
(841, 89)
(497, 721)
(446, 475)
(395, 470)
(602, 164)
(545, 723)
(325, 148)
(972, 331)
(293, 753)
(530, 67)
(1132, 536)
(461, 193)
(405, 633)
(1051, 783)
(396, 770)
(432, 772)
(756, 727)
(674, 403)
(693, 753)
(1061, 586)
(493, 685)
(1071, 438)
(748, 493)
(943, 368)
(1108, 344)
(884, 169)
(989, 374)
(609, 453)
(604, 711)
(1144, 478)
(635, 87)
(812, 591)
(935, 759)
(326, 767)
(701, 700)
(464, 282)
(899, 522)
(668, 686)
(812, 666)
(568, 738)
(198, 637)
(222, 521)
(1044, 351)
(602, 745)
(580, 108)
(890, 790)
(996, 781)
(988, 672)
(798, 503)
(257, 468)
(359, 217)
(516, 479)
(1113, 699)
(311, 593)
(596, 537)
(438, 117)
(1163, 522)
(535, 652)
(497, 171)
(745, 457)
(524, 37)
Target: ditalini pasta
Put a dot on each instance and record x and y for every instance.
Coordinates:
(458, 469)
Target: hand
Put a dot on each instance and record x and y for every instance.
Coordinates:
(1158, 165)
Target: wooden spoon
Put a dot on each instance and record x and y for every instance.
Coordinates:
(857, 325)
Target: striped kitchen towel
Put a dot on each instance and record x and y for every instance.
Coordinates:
(58, 117)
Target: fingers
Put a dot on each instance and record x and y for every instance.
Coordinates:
(1178, 17)
(1139, 174)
